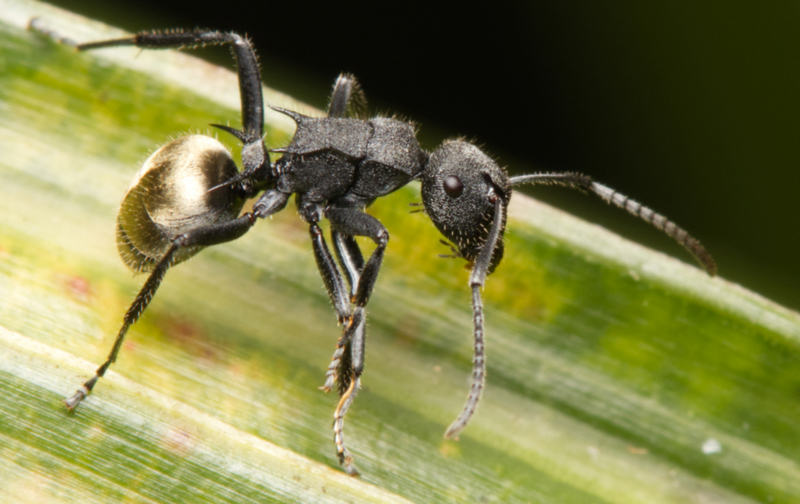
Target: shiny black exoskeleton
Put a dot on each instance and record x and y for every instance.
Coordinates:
(189, 195)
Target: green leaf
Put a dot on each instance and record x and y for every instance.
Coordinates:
(616, 374)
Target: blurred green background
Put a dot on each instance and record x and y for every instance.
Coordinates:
(607, 379)
(690, 108)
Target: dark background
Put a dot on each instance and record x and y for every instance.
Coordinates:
(692, 109)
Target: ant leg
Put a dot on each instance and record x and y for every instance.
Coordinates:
(131, 316)
(254, 154)
(249, 78)
(347, 98)
(353, 222)
(334, 283)
(350, 257)
(339, 367)
(204, 236)
(347, 362)
(476, 281)
(271, 202)
(352, 262)
(350, 222)
(351, 368)
(349, 254)
(312, 212)
(584, 183)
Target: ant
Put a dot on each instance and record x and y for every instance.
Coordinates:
(189, 194)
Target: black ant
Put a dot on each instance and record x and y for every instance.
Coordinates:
(189, 194)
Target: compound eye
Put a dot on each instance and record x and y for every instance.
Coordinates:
(453, 186)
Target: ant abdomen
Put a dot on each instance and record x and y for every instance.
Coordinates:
(170, 195)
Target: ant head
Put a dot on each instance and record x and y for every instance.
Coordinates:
(170, 195)
(459, 188)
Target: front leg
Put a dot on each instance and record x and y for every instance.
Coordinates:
(352, 222)
(350, 257)
(341, 368)
(352, 262)
(349, 222)
(331, 276)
